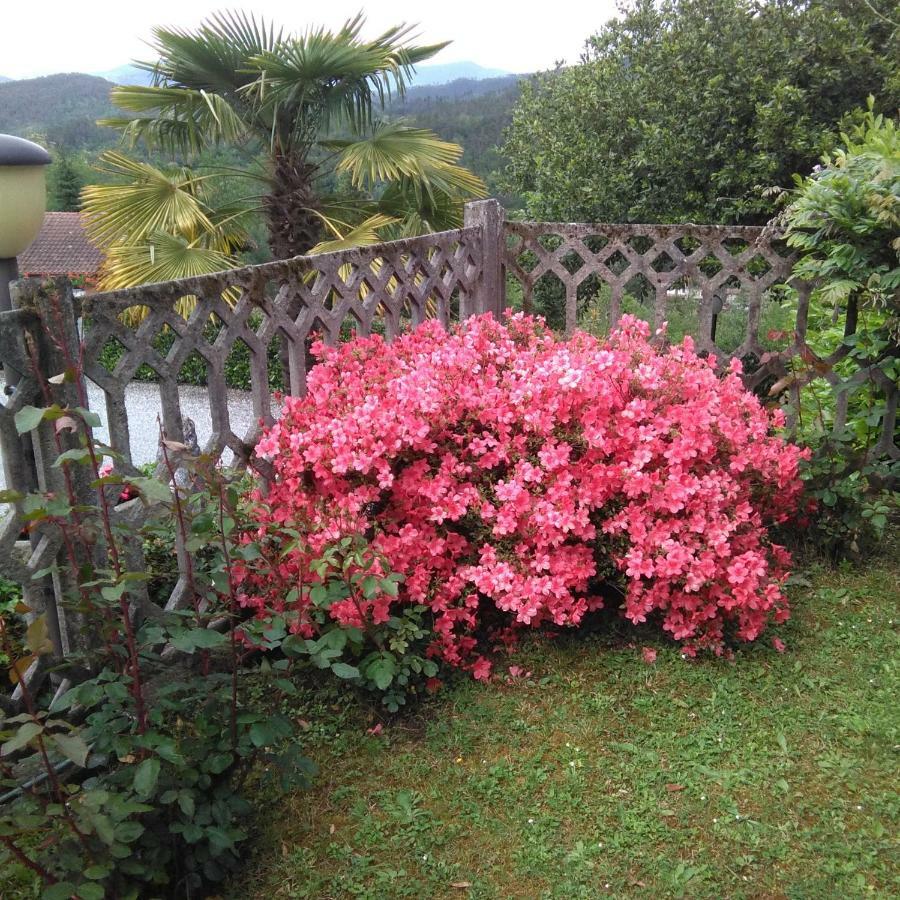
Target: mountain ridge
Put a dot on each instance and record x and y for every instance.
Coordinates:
(434, 74)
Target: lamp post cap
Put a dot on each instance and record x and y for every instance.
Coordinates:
(16, 151)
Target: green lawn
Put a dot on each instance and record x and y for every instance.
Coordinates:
(773, 775)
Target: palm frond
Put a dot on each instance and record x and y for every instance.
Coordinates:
(176, 118)
(160, 257)
(367, 233)
(418, 213)
(394, 153)
(321, 77)
(151, 200)
(214, 57)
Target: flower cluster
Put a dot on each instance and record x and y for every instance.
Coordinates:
(512, 476)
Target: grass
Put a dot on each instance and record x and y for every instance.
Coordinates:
(598, 774)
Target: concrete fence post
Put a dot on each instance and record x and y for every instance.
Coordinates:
(490, 291)
(56, 351)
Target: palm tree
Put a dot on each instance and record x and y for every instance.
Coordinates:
(306, 106)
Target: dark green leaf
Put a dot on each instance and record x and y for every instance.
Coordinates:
(146, 776)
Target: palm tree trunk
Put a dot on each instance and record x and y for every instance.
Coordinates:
(294, 228)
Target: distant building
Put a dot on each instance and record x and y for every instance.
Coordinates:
(62, 248)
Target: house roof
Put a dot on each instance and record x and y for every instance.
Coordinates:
(61, 248)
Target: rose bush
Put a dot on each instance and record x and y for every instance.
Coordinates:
(511, 477)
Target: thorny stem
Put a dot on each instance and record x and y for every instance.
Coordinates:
(27, 861)
(71, 555)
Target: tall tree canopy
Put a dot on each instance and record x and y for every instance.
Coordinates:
(305, 109)
(689, 110)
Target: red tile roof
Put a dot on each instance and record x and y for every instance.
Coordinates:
(61, 248)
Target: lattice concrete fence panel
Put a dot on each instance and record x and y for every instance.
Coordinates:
(385, 288)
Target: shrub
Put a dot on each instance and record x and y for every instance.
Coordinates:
(144, 761)
(844, 220)
(517, 480)
(383, 656)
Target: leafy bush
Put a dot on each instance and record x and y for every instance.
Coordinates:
(144, 759)
(845, 220)
(384, 656)
(509, 476)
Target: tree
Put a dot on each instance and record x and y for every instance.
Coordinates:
(66, 185)
(689, 110)
(303, 110)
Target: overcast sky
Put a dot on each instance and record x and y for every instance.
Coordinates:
(96, 35)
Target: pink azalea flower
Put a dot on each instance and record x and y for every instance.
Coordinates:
(495, 464)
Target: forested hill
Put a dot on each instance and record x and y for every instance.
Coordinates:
(61, 109)
(461, 88)
(472, 113)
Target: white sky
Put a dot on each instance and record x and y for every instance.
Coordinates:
(95, 35)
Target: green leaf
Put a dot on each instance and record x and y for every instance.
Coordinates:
(218, 763)
(24, 734)
(91, 891)
(192, 833)
(62, 890)
(152, 489)
(28, 418)
(127, 831)
(202, 638)
(218, 837)
(261, 734)
(186, 803)
(342, 670)
(146, 776)
(79, 454)
(89, 416)
(73, 747)
(336, 639)
(96, 873)
(381, 671)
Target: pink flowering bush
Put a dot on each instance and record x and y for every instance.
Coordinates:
(511, 477)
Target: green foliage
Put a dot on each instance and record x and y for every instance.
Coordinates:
(688, 110)
(146, 757)
(65, 179)
(194, 370)
(61, 109)
(473, 114)
(385, 659)
(10, 598)
(845, 220)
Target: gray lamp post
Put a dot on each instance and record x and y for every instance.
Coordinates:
(23, 199)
